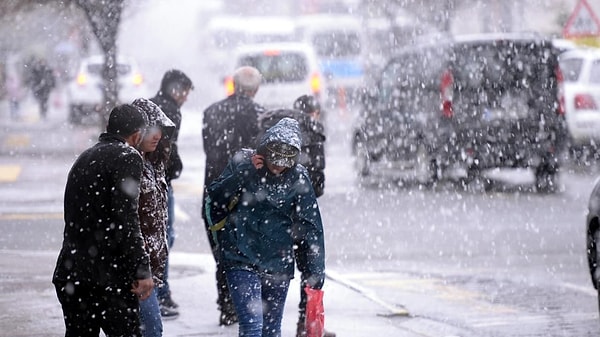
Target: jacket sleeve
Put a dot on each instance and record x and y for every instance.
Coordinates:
(125, 208)
(310, 236)
(228, 184)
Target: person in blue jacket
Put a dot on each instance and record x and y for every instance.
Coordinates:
(262, 195)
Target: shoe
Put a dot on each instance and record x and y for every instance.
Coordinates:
(228, 318)
(168, 302)
(167, 313)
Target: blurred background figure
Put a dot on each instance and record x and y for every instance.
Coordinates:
(41, 80)
(14, 94)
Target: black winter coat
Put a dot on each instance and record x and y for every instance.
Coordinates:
(168, 105)
(103, 244)
(227, 127)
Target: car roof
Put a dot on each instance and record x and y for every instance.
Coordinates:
(253, 24)
(281, 46)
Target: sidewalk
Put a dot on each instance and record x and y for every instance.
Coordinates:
(29, 307)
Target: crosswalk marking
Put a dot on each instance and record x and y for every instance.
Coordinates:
(17, 141)
(9, 173)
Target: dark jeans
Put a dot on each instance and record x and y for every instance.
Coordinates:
(151, 323)
(87, 310)
(223, 297)
(259, 301)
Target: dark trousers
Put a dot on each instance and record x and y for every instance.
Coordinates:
(300, 255)
(87, 310)
(225, 305)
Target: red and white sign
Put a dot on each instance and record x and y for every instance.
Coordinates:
(582, 22)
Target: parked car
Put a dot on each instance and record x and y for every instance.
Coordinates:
(592, 234)
(468, 104)
(289, 70)
(85, 91)
(337, 41)
(581, 71)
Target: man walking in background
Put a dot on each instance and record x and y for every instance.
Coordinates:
(174, 90)
(228, 126)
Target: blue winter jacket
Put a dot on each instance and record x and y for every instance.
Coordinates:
(257, 235)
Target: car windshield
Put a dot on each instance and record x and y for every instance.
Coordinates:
(278, 67)
(571, 69)
(96, 69)
(337, 44)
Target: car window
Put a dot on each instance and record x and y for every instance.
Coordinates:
(595, 72)
(571, 69)
(336, 44)
(498, 65)
(96, 69)
(278, 67)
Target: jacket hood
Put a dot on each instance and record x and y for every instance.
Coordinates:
(286, 131)
(281, 143)
(156, 117)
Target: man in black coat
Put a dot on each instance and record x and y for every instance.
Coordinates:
(228, 126)
(174, 90)
(103, 270)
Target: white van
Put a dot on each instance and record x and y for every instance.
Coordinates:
(289, 70)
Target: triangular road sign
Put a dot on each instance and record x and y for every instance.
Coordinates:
(582, 22)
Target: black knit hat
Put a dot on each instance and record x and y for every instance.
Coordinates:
(124, 120)
(307, 104)
(176, 76)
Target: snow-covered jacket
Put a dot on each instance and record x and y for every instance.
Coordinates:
(103, 244)
(257, 235)
(153, 192)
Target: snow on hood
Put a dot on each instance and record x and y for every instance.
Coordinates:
(156, 117)
(286, 131)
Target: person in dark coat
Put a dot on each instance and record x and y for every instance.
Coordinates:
(306, 110)
(42, 81)
(273, 195)
(102, 270)
(153, 210)
(228, 126)
(175, 87)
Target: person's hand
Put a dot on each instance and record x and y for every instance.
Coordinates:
(142, 288)
(258, 161)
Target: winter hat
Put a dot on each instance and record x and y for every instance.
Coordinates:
(125, 120)
(155, 115)
(307, 104)
(175, 76)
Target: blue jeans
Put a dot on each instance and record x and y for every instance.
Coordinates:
(259, 300)
(150, 320)
(165, 291)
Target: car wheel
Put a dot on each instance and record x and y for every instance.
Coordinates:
(362, 160)
(545, 179)
(476, 182)
(426, 167)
